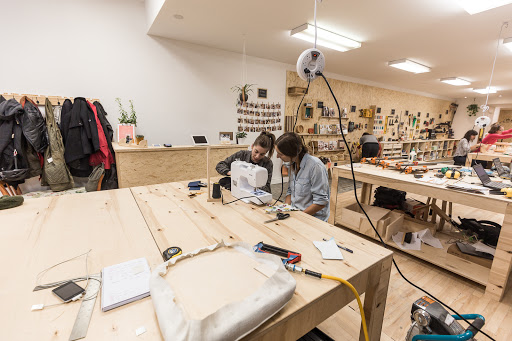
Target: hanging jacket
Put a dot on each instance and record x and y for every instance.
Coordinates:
(34, 126)
(13, 141)
(65, 116)
(102, 156)
(81, 137)
(55, 172)
(110, 178)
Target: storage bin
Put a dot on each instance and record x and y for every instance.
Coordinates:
(353, 218)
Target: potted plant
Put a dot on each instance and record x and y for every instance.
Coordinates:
(139, 138)
(243, 91)
(127, 123)
(472, 109)
(240, 137)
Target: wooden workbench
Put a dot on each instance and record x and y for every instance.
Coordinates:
(155, 165)
(487, 157)
(496, 278)
(125, 224)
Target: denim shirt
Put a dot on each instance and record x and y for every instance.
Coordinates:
(310, 186)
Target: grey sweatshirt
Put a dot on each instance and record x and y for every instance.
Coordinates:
(224, 167)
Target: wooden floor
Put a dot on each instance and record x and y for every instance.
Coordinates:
(461, 294)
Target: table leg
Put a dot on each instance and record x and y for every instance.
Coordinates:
(434, 215)
(502, 262)
(375, 299)
(334, 196)
(468, 160)
(366, 193)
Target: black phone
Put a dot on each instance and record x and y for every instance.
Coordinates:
(68, 290)
(167, 145)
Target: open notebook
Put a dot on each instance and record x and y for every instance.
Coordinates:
(124, 283)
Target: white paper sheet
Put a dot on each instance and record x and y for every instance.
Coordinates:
(479, 246)
(415, 243)
(432, 180)
(427, 237)
(329, 249)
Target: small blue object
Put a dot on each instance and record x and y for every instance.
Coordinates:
(193, 184)
(460, 337)
(194, 188)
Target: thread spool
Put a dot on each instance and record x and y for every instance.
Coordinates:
(216, 191)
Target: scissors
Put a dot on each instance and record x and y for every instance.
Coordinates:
(279, 216)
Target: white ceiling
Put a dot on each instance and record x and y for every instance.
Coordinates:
(436, 33)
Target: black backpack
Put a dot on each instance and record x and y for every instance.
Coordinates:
(486, 230)
(389, 198)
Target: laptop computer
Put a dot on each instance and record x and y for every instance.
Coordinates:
(486, 181)
(502, 173)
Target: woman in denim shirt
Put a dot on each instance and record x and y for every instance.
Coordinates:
(308, 189)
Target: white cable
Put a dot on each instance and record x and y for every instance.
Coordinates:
(485, 107)
(315, 22)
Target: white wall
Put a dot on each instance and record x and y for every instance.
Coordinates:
(462, 122)
(99, 48)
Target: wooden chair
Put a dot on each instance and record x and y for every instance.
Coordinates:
(7, 189)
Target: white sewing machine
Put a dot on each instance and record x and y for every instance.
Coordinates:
(245, 180)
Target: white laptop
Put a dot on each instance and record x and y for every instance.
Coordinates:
(199, 140)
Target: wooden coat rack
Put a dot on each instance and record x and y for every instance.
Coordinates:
(40, 99)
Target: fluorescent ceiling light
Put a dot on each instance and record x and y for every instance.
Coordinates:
(485, 91)
(409, 65)
(324, 38)
(508, 43)
(455, 81)
(477, 6)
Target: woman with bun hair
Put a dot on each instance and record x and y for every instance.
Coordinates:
(262, 146)
(308, 188)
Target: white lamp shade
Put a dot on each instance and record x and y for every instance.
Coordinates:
(409, 65)
(508, 43)
(324, 38)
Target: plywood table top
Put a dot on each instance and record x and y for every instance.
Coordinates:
(46, 231)
(190, 223)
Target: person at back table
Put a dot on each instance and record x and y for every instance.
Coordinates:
(496, 132)
(262, 146)
(369, 145)
(463, 148)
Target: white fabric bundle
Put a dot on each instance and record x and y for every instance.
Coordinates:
(233, 320)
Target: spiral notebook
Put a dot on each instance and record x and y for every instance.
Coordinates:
(124, 283)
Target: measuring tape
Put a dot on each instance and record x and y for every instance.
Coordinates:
(173, 251)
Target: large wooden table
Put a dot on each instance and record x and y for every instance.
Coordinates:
(496, 278)
(124, 224)
(487, 157)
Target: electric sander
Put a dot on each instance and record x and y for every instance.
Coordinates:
(430, 321)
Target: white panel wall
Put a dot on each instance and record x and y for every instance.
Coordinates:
(462, 122)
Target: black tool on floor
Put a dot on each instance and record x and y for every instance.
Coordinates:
(430, 318)
(173, 251)
(279, 216)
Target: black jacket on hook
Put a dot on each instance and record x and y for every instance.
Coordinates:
(110, 178)
(34, 125)
(80, 136)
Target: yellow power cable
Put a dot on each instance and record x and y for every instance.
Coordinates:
(361, 311)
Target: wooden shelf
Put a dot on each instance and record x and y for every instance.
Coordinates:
(333, 118)
(330, 151)
(320, 135)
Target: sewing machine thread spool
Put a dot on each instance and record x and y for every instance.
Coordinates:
(216, 190)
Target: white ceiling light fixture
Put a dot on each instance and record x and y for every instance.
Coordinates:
(508, 43)
(455, 81)
(477, 6)
(409, 65)
(485, 91)
(324, 38)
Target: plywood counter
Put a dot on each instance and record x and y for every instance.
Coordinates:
(156, 165)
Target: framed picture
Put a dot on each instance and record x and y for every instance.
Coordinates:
(224, 135)
(319, 105)
(262, 93)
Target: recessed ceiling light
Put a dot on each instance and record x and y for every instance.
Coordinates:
(499, 96)
(508, 43)
(409, 65)
(455, 81)
(485, 91)
(465, 96)
(324, 38)
(178, 16)
(477, 6)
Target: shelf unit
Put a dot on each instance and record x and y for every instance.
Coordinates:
(426, 150)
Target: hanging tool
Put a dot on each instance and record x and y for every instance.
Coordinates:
(279, 216)
(290, 257)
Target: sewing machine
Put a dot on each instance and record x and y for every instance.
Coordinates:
(245, 180)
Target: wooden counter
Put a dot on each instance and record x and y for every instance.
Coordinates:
(488, 157)
(155, 165)
(496, 278)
